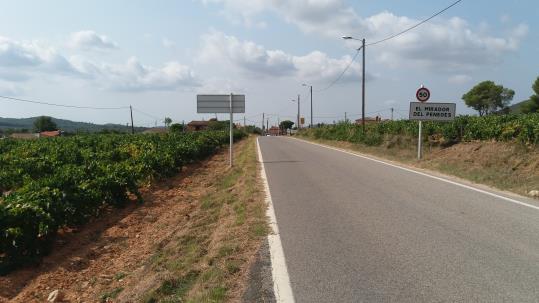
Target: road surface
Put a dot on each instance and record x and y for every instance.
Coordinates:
(355, 230)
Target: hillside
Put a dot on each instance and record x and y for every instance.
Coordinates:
(517, 107)
(65, 125)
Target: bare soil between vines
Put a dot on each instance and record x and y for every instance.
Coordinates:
(113, 259)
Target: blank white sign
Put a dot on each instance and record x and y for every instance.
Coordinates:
(214, 104)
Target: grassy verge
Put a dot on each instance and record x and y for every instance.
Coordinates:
(504, 165)
(208, 260)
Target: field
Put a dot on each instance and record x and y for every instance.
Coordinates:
(503, 128)
(59, 183)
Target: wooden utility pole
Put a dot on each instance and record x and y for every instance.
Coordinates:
(132, 126)
(363, 89)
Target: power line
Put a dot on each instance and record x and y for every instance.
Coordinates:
(386, 39)
(418, 24)
(146, 114)
(63, 105)
(341, 75)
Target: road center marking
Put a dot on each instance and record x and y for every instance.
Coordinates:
(424, 174)
(279, 272)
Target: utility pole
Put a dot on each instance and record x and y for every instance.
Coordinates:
(132, 126)
(299, 125)
(244, 121)
(363, 88)
(267, 124)
(263, 124)
(392, 114)
(310, 126)
(345, 118)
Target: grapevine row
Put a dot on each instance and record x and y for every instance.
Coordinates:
(49, 184)
(521, 128)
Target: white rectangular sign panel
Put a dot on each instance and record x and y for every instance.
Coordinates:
(432, 111)
(214, 104)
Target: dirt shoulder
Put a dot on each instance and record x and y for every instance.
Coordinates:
(193, 239)
(510, 167)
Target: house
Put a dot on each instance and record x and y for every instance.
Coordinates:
(50, 134)
(274, 131)
(194, 126)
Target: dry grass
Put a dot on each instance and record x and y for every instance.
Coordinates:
(209, 262)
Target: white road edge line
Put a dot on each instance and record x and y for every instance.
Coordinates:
(424, 174)
(279, 272)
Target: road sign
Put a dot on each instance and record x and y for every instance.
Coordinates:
(214, 104)
(230, 104)
(422, 94)
(302, 120)
(432, 111)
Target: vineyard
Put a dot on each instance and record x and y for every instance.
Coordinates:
(64, 182)
(521, 128)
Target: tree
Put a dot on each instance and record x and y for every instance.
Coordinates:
(220, 125)
(532, 105)
(176, 128)
(286, 124)
(167, 121)
(487, 97)
(44, 123)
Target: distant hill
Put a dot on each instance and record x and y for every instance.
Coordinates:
(65, 125)
(516, 108)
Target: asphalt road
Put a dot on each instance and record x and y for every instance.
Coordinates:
(354, 230)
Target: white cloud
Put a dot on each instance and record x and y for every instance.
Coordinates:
(90, 40)
(447, 44)
(254, 60)
(134, 76)
(22, 61)
(459, 79)
(18, 59)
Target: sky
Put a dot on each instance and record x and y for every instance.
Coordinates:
(158, 55)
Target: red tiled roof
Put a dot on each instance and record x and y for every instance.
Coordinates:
(54, 133)
(198, 123)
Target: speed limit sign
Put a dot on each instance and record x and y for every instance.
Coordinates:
(422, 94)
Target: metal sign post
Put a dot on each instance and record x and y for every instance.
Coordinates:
(419, 140)
(422, 111)
(213, 104)
(423, 95)
(231, 130)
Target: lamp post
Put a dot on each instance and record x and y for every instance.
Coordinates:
(298, 125)
(362, 80)
(311, 89)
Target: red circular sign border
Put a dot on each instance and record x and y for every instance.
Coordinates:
(417, 94)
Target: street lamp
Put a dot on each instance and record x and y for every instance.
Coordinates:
(311, 88)
(298, 125)
(362, 79)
